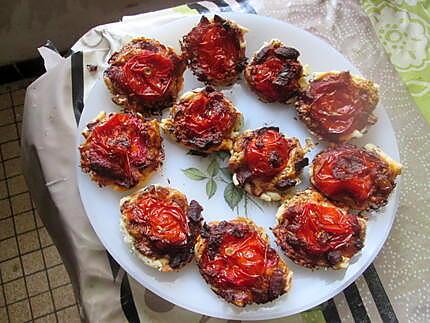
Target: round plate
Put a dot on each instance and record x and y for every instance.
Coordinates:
(309, 288)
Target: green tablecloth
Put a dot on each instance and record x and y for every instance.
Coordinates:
(403, 28)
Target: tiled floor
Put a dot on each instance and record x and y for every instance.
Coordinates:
(34, 283)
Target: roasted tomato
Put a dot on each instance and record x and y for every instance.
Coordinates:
(266, 162)
(355, 177)
(268, 152)
(121, 150)
(145, 75)
(337, 106)
(236, 260)
(215, 51)
(315, 233)
(203, 120)
(274, 72)
(161, 227)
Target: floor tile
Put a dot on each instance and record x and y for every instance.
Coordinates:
(39, 222)
(6, 117)
(19, 312)
(63, 296)
(11, 149)
(51, 318)
(32, 262)
(19, 111)
(8, 249)
(70, 315)
(12, 167)
(2, 172)
(45, 238)
(8, 133)
(2, 300)
(51, 255)
(18, 97)
(19, 126)
(28, 242)
(37, 283)
(24, 222)
(5, 209)
(41, 304)
(21, 203)
(5, 101)
(3, 189)
(15, 290)
(6, 228)
(26, 248)
(3, 315)
(17, 185)
(11, 269)
(58, 276)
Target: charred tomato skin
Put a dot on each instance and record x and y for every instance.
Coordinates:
(145, 76)
(337, 105)
(315, 233)
(162, 225)
(275, 73)
(352, 176)
(121, 150)
(203, 120)
(215, 51)
(236, 260)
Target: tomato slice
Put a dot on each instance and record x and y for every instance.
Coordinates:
(241, 261)
(322, 228)
(218, 51)
(267, 153)
(346, 171)
(118, 146)
(161, 220)
(264, 76)
(337, 105)
(148, 74)
(206, 115)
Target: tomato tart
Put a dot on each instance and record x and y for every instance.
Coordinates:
(121, 150)
(266, 163)
(275, 74)
(236, 260)
(145, 75)
(360, 178)
(215, 51)
(338, 106)
(160, 226)
(203, 120)
(315, 233)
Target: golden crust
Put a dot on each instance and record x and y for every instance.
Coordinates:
(123, 95)
(156, 149)
(159, 262)
(170, 128)
(262, 188)
(314, 196)
(366, 86)
(201, 245)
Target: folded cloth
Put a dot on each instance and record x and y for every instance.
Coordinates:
(393, 288)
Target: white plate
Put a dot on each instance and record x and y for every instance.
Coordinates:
(309, 288)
